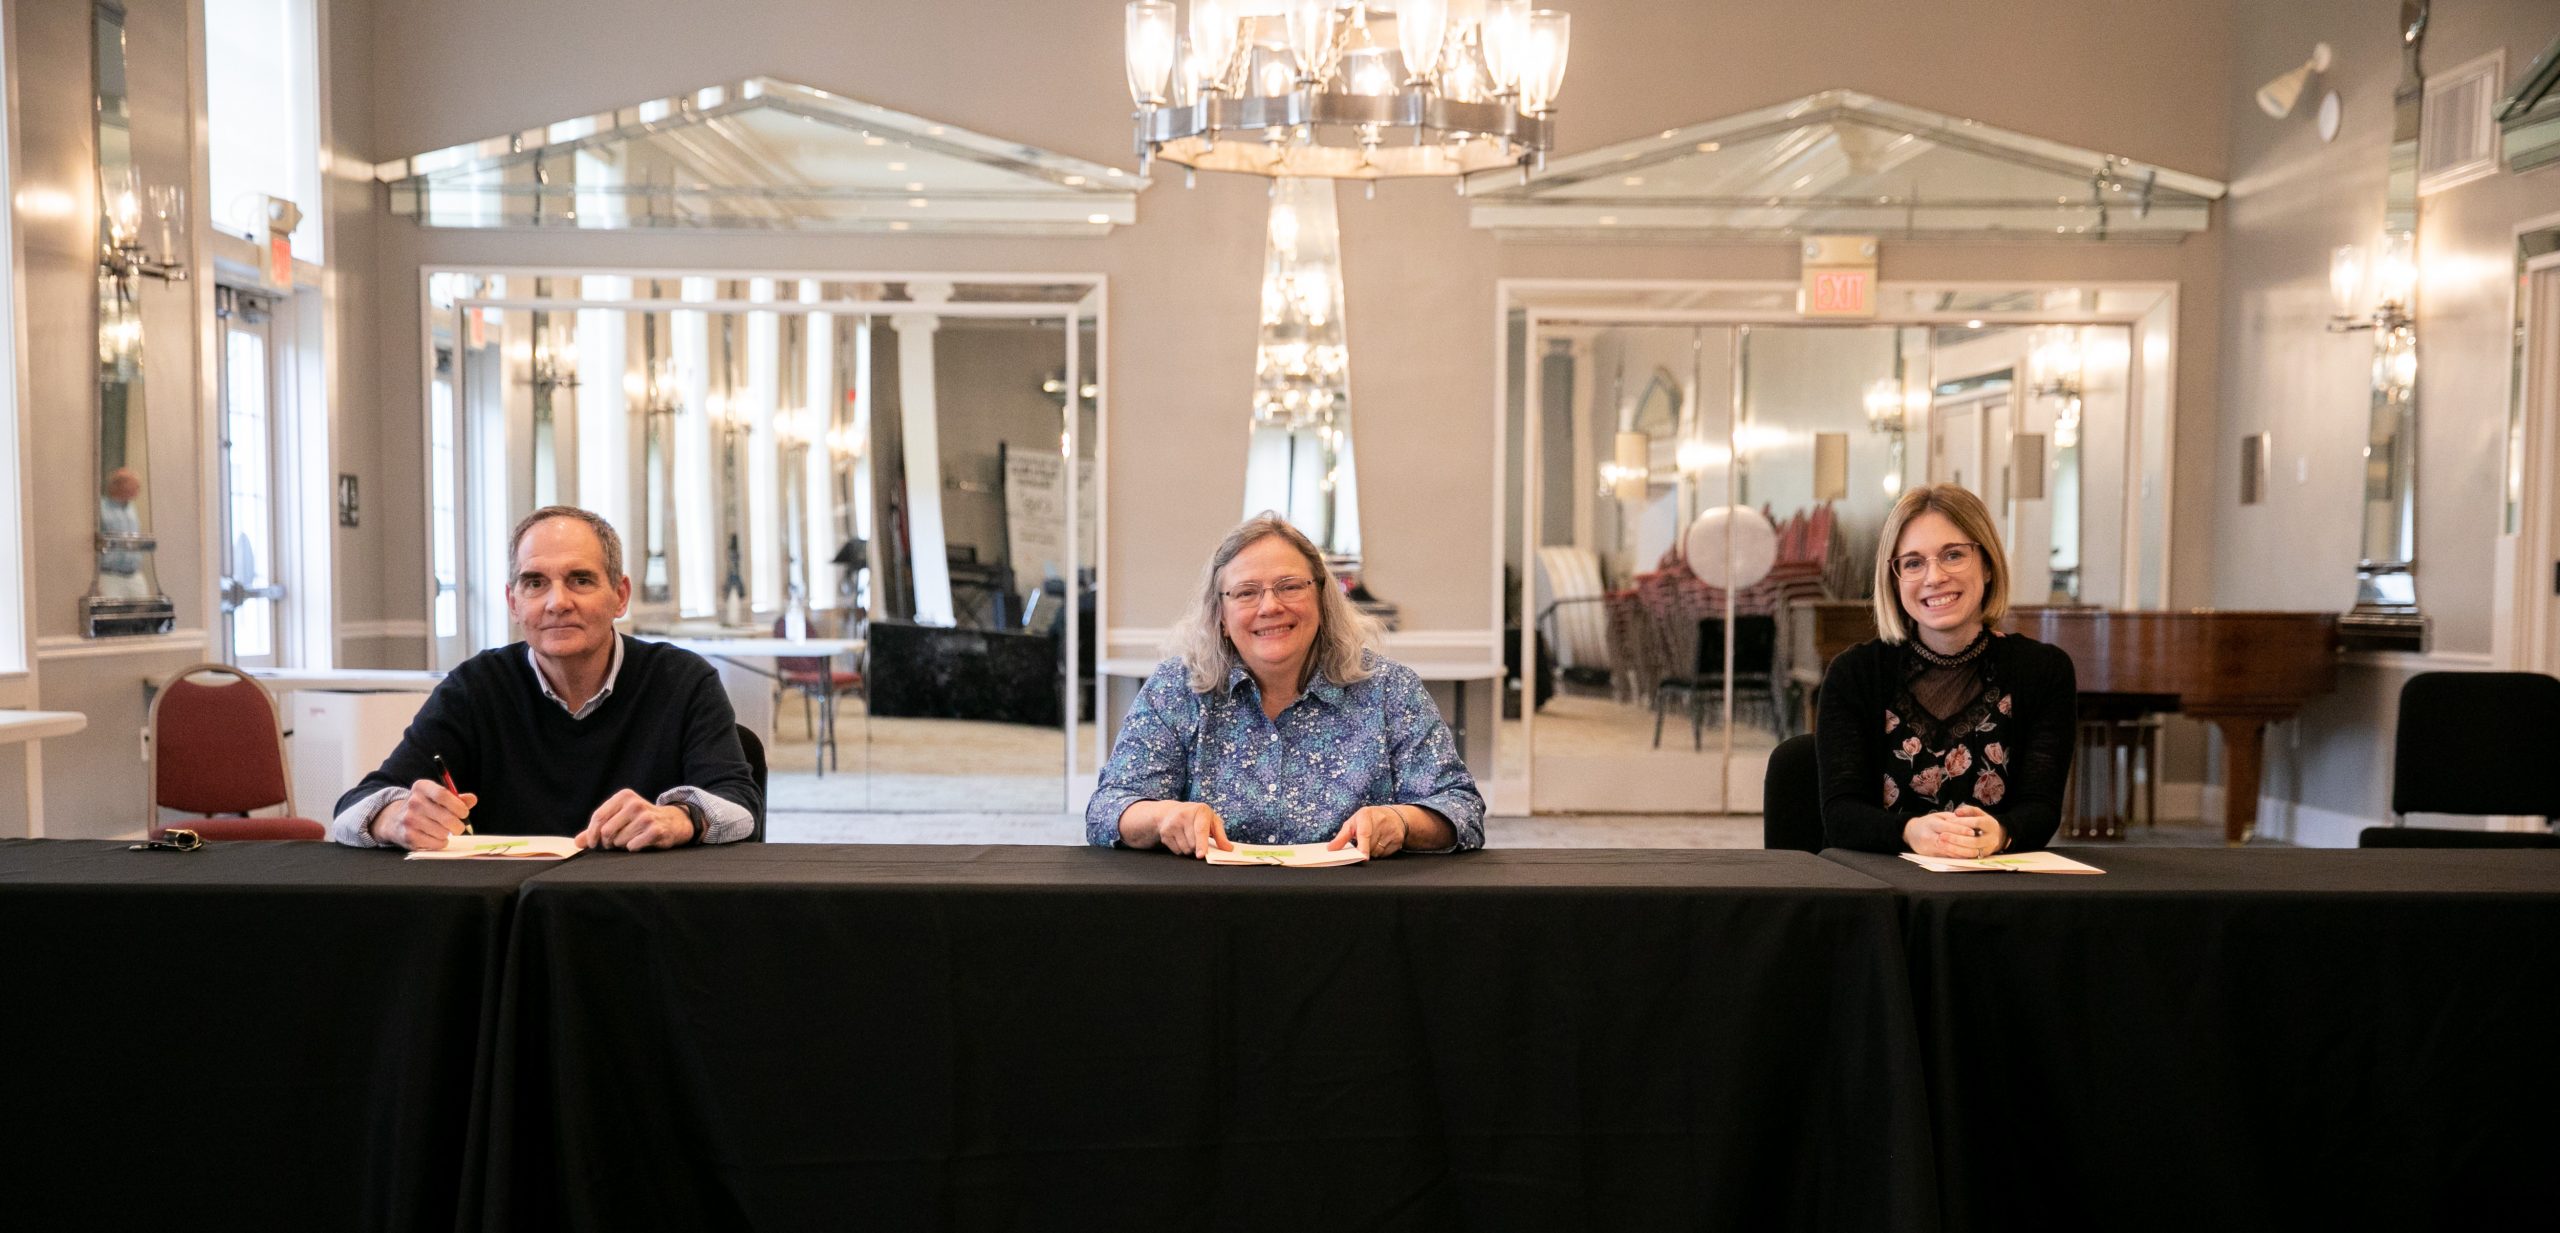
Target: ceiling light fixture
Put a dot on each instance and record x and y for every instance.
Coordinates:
(1359, 91)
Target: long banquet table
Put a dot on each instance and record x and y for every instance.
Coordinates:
(780, 1037)
(808, 1038)
(2241, 1038)
(252, 1035)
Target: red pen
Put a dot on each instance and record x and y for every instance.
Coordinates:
(447, 773)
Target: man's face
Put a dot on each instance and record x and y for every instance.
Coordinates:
(560, 594)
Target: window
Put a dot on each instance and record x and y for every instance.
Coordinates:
(262, 103)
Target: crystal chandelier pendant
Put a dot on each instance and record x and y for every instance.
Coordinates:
(1361, 91)
(1299, 462)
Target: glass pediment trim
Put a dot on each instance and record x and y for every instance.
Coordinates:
(760, 155)
(1844, 162)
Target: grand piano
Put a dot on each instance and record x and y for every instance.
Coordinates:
(2238, 671)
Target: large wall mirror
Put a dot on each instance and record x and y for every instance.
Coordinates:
(124, 597)
(1634, 412)
(905, 466)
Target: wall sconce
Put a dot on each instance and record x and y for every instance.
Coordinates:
(1891, 408)
(1626, 476)
(2277, 97)
(724, 417)
(657, 393)
(1055, 386)
(842, 444)
(133, 216)
(791, 429)
(2057, 368)
(2394, 285)
(555, 361)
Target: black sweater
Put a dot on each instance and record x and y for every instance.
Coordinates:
(539, 772)
(2026, 748)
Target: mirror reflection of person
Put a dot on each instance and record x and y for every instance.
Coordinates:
(1944, 736)
(1276, 722)
(574, 731)
(120, 569)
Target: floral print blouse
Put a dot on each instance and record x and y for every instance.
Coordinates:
(1295, 779)
(1960, 761)
(1900, 736)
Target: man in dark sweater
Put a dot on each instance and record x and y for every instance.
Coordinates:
(574, 731)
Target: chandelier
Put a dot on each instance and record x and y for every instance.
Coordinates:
(1358, 91)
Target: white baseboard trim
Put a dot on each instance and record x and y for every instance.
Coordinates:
(2421, 661)
(352, 631)
(2307, 826)
(73, 646)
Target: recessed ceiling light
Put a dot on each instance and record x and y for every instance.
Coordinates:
(916, 186)
(870, 140)
(897, 166)
(1608, 220)
(1075, 181)
(898, 226)
(1974, 324)
(1097, 219)
(1633, 181)
(1709, 147)
(918, 202)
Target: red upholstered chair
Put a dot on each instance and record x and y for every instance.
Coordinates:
(819, 682)
(217, 749)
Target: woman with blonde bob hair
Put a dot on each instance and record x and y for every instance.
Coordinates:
(1274, 720)
(1944, 736)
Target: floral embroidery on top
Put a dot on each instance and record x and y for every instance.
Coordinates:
(1942, 763)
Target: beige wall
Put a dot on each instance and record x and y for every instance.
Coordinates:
(93, 786)
(2155, 82)
(2293, 200)
(1419, 280)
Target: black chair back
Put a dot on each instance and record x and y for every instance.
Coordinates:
(1755, 648)
(1791, 798)
(2473, 743)
(753, 746)
(2438, 837)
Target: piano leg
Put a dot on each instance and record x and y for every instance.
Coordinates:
(2243, 755)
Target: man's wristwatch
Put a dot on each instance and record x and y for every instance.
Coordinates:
(701, 824)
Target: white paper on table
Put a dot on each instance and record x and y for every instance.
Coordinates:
(502, 847)
(1293, 855)
(2022, 862)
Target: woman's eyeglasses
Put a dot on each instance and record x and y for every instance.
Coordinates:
(1952, 559)
(1287, 590)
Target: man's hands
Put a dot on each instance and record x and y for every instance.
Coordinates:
(1963, 833)
(627, 820)
(426, 820)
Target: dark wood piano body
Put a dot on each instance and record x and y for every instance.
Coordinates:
(2238, 671)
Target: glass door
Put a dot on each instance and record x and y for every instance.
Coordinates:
(251, 596)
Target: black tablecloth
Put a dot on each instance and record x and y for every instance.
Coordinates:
(964, 1038)
(2241, 1039)
(250, 1036)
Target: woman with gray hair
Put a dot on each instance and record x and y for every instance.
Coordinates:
(1275, 721)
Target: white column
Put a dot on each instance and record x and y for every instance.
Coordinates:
(917, 419)
(764, 499)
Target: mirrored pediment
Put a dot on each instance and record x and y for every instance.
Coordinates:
(1843, 162)
(760, 155)
(2530, 116)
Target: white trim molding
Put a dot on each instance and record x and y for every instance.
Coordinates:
(353, 631)
(73, 646)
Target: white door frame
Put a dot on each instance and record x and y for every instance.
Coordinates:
(2529, 639)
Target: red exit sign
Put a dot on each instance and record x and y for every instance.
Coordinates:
(1839, 277)
(1840, 293)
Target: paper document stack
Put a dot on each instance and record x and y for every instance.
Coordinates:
(1294, 855)
(502, 847)
(2022, 862)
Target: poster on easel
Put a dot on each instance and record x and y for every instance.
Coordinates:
(1035, 501)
